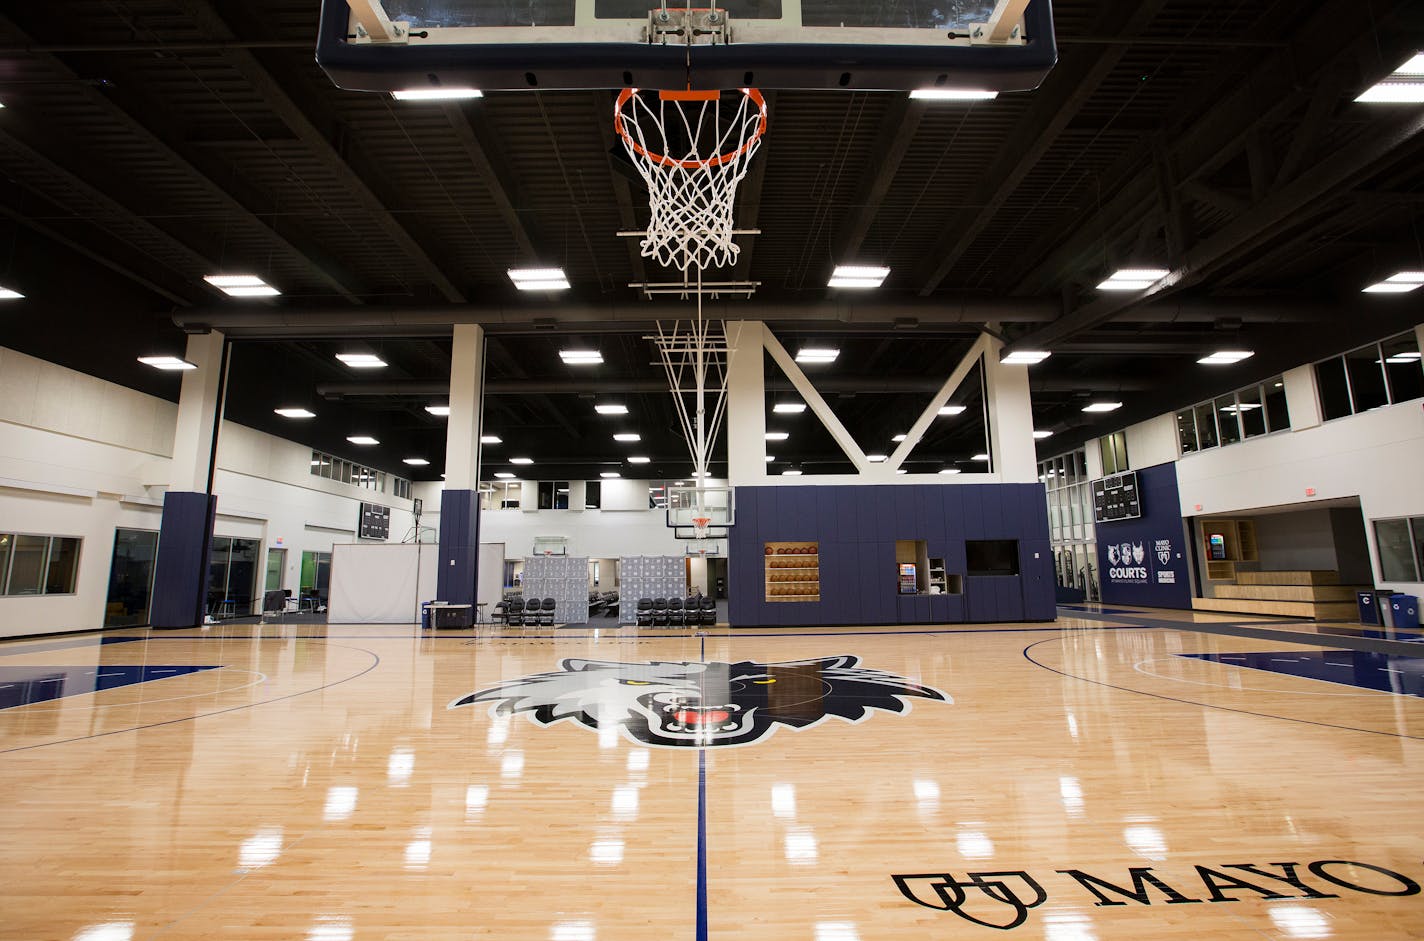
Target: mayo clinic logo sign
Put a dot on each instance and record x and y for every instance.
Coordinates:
(1128, 563)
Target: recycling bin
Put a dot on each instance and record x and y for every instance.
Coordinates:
(1404, 610)
(425, 614)
(1369, 603)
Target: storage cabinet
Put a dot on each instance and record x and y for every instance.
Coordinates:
(793, 571)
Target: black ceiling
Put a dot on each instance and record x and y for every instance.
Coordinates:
(146, 143)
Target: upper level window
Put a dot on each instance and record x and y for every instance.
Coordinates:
(592, 494)
(38, 565)
(553, 494)
(1384, 373)
(1113, 448)
(1246, 413)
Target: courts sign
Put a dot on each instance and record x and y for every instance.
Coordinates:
(1003, 899)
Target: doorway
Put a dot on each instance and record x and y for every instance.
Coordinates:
(130, 577)
(276, 565)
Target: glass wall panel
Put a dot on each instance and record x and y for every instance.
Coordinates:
(130, 577)
(592, 494)
(1396, 554)
(1334, 392)
(7, 540)
(27, 565)
(276, 563)
(1416, 523)
(1402, 366)
(1187, 431)
(1206, 426)
(217, 572)
(63, 566)
(242, 575)
(1249, 409)
(316, 577)
(1277, 415)
(1367, 388)
(1227, 422)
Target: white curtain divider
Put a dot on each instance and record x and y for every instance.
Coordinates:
(376, 584)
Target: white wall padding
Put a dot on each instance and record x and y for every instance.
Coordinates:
(563, 578)
(648, 576)
(376, 584)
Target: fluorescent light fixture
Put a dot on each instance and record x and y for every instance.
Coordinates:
(1225, 357)
(1405, 85)
(777, 435)
(628, 436)
(581, 357)
(812, 354)
(364, 440)
(1401, 283)
(701, 473)
(1132, 279)
(1025, 357)
(491, 439)
(8, 295)
(858, 276)
(1102, 407)
(953, 94)
(538, 279)
(167, 362)
(898, 438)
(436, 94)
(241, 285)
(521, 460)
(415, 461)
(294, 413)
(362, 360)
(980, 457)
(609, 474)
(441, 410)
(950, 470)
(1040, 435)
(951, 409)
(789, 408)
(611, 408)
(902, 471)
(875, 458)
(639, 459)
(791, 472)
(770, 458)
(503, 475)
(1243, 407)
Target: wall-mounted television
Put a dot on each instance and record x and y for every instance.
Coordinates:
(1117, 498)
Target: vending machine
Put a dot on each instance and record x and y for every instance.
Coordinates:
(907, 578)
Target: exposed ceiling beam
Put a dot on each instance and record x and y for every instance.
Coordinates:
(622, 190)
(167, 148)
(1054, 105)
(279, 96)
(897, 130)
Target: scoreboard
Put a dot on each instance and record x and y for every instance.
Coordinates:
(375, 522)
(1116, 498)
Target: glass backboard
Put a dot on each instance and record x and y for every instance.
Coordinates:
(392, 45)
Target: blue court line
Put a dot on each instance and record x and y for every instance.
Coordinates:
(1378, 672)
(702, 829)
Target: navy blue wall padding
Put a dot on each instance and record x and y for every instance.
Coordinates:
(857, 526)
(180, 574)
(1159, 578)
(456, 580)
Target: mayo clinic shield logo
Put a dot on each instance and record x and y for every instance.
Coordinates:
(1164, 551)
(694, 704)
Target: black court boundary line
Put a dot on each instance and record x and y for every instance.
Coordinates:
(375, 662)
(1204, 705)
(1396, 648)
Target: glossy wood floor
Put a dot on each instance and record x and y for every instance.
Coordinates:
(318, 785)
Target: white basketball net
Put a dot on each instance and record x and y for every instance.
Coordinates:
(692, 157)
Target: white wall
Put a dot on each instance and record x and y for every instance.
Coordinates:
(1377, 456)
(80, 457)
(1152, 442)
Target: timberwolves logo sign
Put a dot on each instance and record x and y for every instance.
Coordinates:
(691, 704)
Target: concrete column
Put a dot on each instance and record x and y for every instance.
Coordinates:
(1010, 419)
(746, 403)
(1302, 399)
(180, 575)
(456, 580)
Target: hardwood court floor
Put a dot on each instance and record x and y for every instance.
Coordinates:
(317, 784)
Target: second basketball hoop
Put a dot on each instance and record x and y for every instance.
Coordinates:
(692, 149)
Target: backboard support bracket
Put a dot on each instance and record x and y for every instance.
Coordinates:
(671, 26)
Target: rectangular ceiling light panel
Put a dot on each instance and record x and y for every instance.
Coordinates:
(441, 410)
(812, 354)
(581, 357)
(1025, 357)
(1401, 283)
(953, 94)
(364, 440)
(1132, 279)
(1102, 407)
(951, 409)
(362, 360)
(1225, 357)
(166, 362)
(538, 279)
(6, 294)
(1403, 86)
(436, 94)
(789, 408)
(241, 285)
(858, 276)
(294, 413)
(611, 408)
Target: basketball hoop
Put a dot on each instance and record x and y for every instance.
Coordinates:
(692, 157)
(699, 526)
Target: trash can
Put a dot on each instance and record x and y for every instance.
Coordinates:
(425, 614)
(1405, 609)
(1369, 607)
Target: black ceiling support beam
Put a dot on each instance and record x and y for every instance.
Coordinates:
(1354, 161)
(1317, 115)
(1216, 197)
(1268, 94)
(279, 97)
(622, 189)
(1068, 87)
(491, 166)
(897, 129)
(1175, 225)
(168, 146)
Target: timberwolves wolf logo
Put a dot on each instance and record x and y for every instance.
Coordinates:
(690, 704)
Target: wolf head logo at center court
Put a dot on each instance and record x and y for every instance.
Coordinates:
(694, 704)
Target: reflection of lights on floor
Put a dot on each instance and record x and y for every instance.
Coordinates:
(340, 803)
(1146, 841)
(417, 851)
(1300, 921)
(260, 849)
(330, 928)
(783, 801)
(836, 931)
(512, 767)
(1067, 926)
(625, 802)
(108, 931)
(572, 931)
(400, 766)
(1072, 794)
(476, 797)
(638, 759)
(974, 844)
(801, 845)
(606, 852)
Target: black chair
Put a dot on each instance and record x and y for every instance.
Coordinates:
(645, 612)
(674, 614)
(660, 612)
(708, 613)
(596, 604)
(499, 613)
(546, 613)
(514, 612)
(612, 609)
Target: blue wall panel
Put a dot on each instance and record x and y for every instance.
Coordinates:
(1144, 561)
(456, 577)
(856, 527)
(180, 574)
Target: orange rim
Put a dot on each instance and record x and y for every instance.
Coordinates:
(627, 94)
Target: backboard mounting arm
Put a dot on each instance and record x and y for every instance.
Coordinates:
(371, 19)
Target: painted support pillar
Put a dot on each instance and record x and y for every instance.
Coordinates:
(746, 403)
(1011, 439)
(189, 507)
(456, 581)
(1302, 397)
